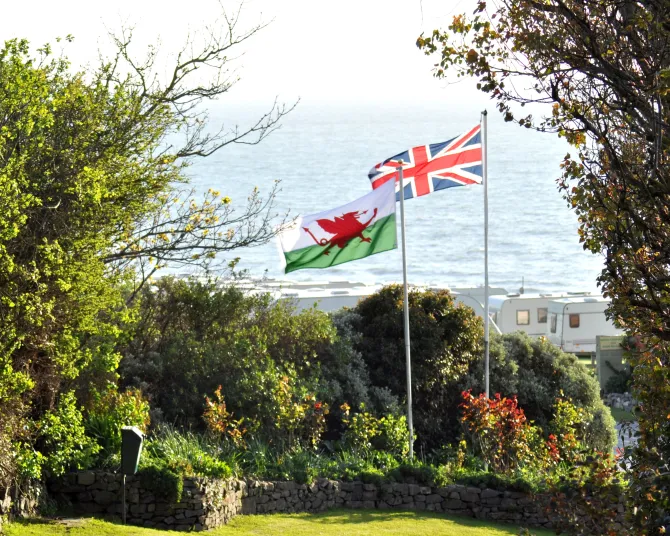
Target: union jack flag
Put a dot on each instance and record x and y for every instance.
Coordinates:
(427, 168)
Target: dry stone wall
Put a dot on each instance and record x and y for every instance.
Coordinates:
(208, 503)
(624, 401)
(506, 506)
(22, 500)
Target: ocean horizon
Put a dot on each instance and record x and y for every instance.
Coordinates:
(322, 155)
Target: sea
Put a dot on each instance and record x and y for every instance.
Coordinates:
(322, 154)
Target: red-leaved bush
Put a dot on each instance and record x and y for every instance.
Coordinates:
(498, 429)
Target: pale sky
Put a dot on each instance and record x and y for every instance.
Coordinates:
(345, 51)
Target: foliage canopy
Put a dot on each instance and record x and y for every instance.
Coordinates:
(195, 338)
(603, 69)
(93, 193)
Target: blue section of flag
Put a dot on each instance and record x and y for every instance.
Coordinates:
(475, 140)
(408, 192)
(436, 148)
(404, 156)
(443, 184)
(475, 170)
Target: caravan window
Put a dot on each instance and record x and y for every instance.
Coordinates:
(523, 317)
(553, 322)
(574, 321)
(542, 315)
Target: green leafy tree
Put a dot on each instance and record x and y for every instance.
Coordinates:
(61, 437)
(195, 336)
(445, 339)
(602, 70)
(94, 192)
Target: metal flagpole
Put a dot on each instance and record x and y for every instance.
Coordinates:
(486, 255)
(124, 498)
(408, 361)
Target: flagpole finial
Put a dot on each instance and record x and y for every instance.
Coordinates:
(484, 112)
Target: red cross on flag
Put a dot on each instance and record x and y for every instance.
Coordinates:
(427, 168)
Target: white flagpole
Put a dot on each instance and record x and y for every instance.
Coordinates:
(408, 361)
(486, 255)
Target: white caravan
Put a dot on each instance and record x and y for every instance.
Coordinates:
(524, 312)
(326, 298)
(475, 292)
(333, 295)
(574, 323)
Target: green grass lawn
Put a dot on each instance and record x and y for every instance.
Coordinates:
(351, 523)
(586, 361)
(621, 415)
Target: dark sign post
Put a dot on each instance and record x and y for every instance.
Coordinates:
(131, 448)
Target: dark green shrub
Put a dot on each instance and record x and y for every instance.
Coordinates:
(162, 482)
(620, 381)
(372, 476)
(304, 476)
(538, 373)
(348, 465)
(485, 479)
(446, 339)
(418, 473)
(195, 336)
(345, 377)
(601, 432)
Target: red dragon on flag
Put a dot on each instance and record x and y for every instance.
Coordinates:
(331, 237)
(345, 228)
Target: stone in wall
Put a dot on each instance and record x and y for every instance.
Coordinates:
(24, 500)
(624, 401)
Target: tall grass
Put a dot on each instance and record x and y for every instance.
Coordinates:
(167, 442)
(187, 453)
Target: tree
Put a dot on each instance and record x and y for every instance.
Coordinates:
(90, 196)
(445, 339)
(603, 68)
(193, 337)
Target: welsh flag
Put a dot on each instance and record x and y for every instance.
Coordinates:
(347, 233)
